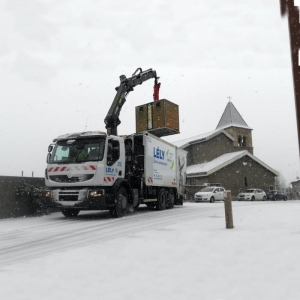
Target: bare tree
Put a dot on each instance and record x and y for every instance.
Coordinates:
(280, 183)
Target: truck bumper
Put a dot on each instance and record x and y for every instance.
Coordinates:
(84, 199)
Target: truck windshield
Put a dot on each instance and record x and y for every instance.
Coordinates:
(80, 150)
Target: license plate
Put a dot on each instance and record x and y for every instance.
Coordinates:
(66, 203)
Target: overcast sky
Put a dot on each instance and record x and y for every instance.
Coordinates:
(61, 61)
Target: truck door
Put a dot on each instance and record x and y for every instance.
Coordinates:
(114, 165)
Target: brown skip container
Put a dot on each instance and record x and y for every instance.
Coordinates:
(160, 118)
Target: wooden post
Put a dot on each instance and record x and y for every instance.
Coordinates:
(228, 209)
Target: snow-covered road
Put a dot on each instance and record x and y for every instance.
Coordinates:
(183, 253)
(54, 233)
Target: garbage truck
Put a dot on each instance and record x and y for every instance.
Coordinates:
(96, 170)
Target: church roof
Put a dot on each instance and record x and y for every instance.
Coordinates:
(222, 161)
(201, 138)
(231, 117)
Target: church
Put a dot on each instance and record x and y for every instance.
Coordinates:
(225, 157)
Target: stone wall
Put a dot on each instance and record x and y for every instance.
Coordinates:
(209, 150)
(236, 177)
(241, 136)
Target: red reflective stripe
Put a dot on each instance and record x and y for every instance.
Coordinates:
(109, 179)
(65, 168)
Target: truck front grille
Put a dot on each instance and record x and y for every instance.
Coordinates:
(65, 178)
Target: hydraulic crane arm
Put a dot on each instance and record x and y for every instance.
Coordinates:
(112, 120)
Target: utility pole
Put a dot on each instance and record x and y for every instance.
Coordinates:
(288, 7)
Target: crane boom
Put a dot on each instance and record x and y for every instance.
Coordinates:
(112, 120)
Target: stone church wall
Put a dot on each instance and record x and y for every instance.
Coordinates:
(242, 138)
(209, 150)
(235, 177)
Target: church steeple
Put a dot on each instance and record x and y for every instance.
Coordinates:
(233, 123)
(231, 117)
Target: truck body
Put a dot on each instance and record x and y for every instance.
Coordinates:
(115, 173)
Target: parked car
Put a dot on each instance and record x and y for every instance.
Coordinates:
(210, 193)
(276, 195)
(252, 195)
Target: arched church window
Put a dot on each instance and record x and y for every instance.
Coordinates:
(244, 143)
(239, 141)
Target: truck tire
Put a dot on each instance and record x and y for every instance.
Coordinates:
(71, 212)
(162, 200)
(171, 199)
(121, 203)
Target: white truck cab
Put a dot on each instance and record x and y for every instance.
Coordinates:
(92, 170)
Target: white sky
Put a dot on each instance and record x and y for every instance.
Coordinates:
(61, 60)
(183, 253)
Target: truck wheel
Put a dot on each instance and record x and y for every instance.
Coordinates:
(71, 212)
(171, 199)
(121, 203)
(162, 200)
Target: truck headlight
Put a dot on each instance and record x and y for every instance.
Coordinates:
(96, 193)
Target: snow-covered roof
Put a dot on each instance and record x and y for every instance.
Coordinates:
(222, 161)
(75, 135)
(201, 138)
(296, 181)
(231, 117)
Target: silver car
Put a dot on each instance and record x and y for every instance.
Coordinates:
(210, 193)
(252, 195)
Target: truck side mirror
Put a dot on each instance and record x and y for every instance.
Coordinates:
(48, 157)
(50, 148)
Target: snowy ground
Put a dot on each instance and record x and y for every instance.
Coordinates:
(184, 253)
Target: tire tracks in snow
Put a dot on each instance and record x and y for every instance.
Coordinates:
(38, 241)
